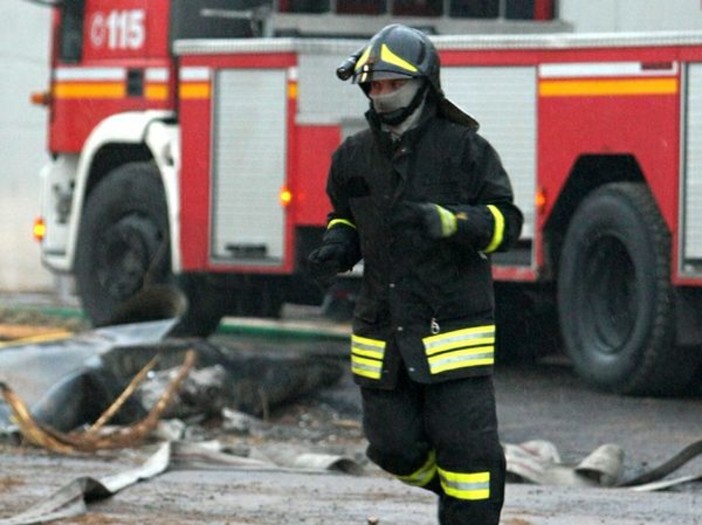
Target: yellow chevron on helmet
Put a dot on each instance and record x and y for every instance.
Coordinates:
(386, 55)
(389, 58)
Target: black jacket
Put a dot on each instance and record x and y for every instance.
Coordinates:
(425, 302)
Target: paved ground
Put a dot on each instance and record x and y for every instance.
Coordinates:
(274, 498)
(544, 401)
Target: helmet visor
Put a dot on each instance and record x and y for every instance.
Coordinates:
(363, 76)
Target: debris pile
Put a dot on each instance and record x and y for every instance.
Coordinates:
(137, 386)
(92, 439)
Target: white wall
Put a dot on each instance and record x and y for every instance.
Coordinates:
(24, 45)
(631, 15)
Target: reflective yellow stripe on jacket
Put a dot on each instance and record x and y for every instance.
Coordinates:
(367, 356)
(336, 222)
(498, 232)
(467, 486)
(460, 348)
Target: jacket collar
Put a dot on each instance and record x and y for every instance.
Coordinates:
(385, 138)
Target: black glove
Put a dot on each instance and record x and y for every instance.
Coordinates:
(325, 262)
(338, 253)
(436, 221)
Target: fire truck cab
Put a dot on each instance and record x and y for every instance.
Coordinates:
(191, 144)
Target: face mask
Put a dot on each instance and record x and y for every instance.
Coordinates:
(397, 99)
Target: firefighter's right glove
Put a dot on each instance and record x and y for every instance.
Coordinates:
(325, 262)
(436, 221)
(338, 253)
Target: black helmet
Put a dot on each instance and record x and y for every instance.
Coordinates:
(398, 51)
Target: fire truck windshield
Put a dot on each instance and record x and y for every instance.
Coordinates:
(218, 18)
(251, 18)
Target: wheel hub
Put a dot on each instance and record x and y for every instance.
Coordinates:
(126, 256)
(612, 296)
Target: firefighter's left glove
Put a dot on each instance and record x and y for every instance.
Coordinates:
(338, 253)
(436, 221)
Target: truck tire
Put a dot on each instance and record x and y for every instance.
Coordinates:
(122, 263)
(525, 324)
(615, 298)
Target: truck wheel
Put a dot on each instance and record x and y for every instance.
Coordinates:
(615, 299)
(122, 262)
(257, 296)
(205, 306)
(526, 328)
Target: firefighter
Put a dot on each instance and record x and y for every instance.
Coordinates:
(424, 200)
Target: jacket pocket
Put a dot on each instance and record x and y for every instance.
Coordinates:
(462, 348)
(445, 183)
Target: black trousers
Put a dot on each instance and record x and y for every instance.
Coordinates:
(441, 437)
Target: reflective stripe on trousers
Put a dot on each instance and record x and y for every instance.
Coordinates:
(424, 474)
(466, 485)
(471, 486)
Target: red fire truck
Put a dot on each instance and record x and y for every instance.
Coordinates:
(188, 156)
